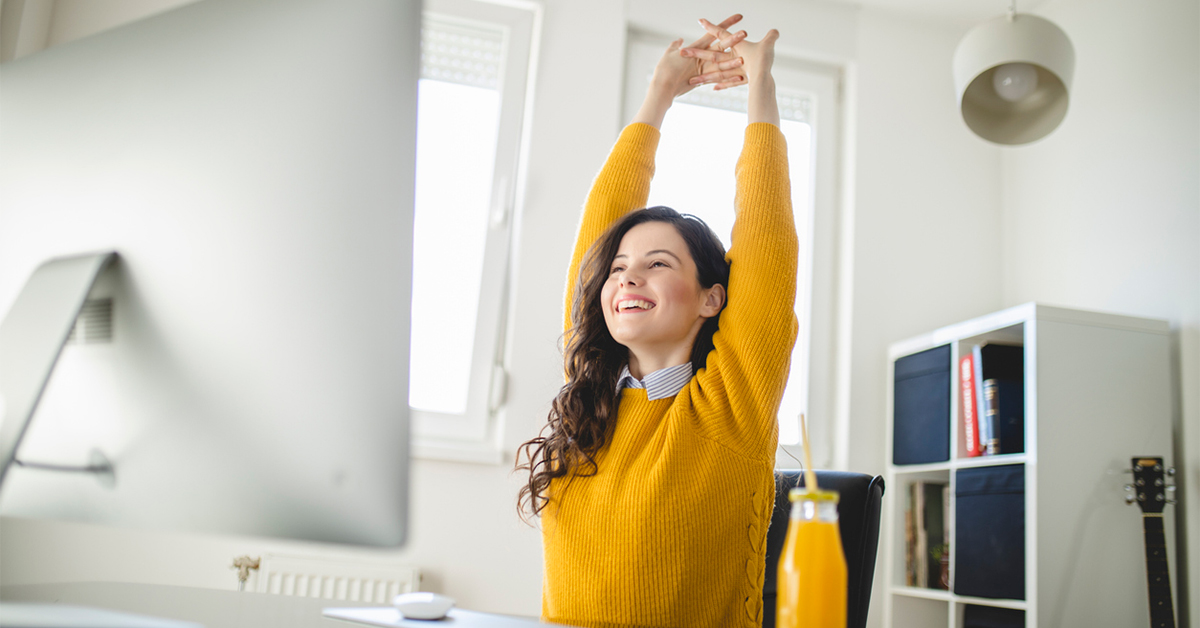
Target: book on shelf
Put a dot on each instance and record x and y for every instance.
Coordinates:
(944, 582)
(915, 566)
(910, 542)
(1001, 362)
(1005, 403)
(966, 378)
(926, 534)
(977, 397)
(935, 532)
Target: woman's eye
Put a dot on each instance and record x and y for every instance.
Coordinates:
(615, 270)
(657, 264)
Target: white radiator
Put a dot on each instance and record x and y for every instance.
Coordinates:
(335, 579)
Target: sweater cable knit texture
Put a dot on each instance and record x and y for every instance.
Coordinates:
(671, 530)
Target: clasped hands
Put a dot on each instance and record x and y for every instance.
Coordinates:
(720, 58)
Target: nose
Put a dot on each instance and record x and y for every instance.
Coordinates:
(629, 278)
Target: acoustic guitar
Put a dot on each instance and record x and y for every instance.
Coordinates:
(1149, 492)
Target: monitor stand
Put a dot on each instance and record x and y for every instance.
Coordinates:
(32, 335)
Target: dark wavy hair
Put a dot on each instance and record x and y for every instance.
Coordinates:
(584, 411)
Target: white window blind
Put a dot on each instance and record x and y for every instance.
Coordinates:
(463, 54)
(793, 105)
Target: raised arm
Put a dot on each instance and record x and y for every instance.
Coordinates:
(623, 184)
(758, 327)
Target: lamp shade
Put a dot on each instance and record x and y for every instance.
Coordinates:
(1012, 76)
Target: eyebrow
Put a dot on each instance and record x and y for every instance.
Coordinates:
(650, 253)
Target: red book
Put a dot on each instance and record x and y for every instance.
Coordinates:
(967, 404)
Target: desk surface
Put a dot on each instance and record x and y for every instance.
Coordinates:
(213, 608)
(458, 618)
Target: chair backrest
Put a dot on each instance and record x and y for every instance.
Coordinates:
(860, 499)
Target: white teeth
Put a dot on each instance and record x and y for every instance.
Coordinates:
(634, 303)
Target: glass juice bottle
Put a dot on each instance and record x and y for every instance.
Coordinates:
(812, 568)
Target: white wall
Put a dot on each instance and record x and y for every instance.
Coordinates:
(927, 229)
(1104, 213)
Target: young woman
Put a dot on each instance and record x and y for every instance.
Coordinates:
(654, 477)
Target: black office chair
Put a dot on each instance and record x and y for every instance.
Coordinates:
(858, 520)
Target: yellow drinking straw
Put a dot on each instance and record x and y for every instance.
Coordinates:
(810, 476)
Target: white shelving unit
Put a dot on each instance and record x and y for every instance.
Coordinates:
(1097, 393)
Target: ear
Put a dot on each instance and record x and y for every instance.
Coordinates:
(713, 301)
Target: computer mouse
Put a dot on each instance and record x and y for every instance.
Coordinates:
(423, 605)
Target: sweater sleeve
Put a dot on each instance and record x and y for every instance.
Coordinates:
(622, 186)
(737, 394)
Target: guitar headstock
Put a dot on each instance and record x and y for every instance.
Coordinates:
(1149, 488)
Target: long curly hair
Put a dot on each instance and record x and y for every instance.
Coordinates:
(584, 412)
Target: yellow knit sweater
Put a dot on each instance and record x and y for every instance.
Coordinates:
(671, 531)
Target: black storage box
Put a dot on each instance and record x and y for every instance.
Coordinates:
(975, 616)
(921, 407)
(989, 543)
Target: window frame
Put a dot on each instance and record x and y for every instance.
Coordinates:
(824, 252)
(473, 435)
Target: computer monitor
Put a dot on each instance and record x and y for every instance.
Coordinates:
(251, 163)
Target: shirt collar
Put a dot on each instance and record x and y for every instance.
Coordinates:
(660, 384)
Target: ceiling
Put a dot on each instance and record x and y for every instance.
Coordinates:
(963, 13)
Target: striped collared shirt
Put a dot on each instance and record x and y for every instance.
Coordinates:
(660, 384)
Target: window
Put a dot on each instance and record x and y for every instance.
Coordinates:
(471, 106)
(808, 96)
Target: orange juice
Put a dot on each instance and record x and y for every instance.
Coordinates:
(812, 568)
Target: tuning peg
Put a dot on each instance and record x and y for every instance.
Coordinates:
(1129, 499)
(1171, 472)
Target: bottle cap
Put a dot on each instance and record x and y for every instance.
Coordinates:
(800, 493)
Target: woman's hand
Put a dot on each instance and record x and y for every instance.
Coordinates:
(674, 73)
(757, 57)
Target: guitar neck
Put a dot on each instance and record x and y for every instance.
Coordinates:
(1162, 611)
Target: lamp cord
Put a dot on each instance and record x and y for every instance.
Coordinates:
(1012, 10)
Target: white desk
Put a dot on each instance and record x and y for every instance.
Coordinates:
(458, 618)
(213, 608)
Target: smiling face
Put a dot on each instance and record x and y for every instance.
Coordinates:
(653, 302)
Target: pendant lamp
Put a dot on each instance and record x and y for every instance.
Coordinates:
(1012, 76)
